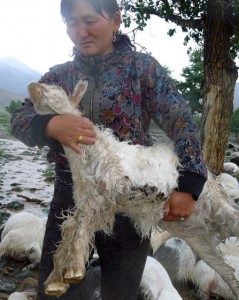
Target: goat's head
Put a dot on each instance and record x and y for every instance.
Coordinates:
(49, 99)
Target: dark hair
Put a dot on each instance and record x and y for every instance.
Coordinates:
(109, 6)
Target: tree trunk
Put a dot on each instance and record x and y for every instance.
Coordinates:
(220, 80)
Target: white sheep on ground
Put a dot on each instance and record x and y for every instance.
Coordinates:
(184, 266)
(210, 282)
(22, 237)
(157, 238)
(156, 284)
(22, 296)
(136, 184)
(231, 168)
(230, 184)
(230, 246)
(18, 296)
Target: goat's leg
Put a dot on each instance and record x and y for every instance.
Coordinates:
(89, 218)
(206, 250)
(55, 284)
(78, 253)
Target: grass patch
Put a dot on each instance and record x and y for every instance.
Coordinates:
(2, 151)
(48, 173)
(5, 119)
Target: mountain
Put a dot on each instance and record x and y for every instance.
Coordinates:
(6, 97)
(15, 76)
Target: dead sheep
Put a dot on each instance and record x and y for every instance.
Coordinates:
(22, 296)
(184, 266)
(230, 185)
(137, 184)
(22, 237)
(158, 238)
(231, 168)
(156, 284)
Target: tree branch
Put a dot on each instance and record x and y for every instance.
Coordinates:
(194, 24)
(189, 23)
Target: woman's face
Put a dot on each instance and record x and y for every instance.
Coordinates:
(91, 32)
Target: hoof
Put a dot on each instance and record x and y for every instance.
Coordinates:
(73, 277)
(56, 289)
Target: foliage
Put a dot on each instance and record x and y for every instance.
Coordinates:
(198, 119)
(15, 104)
(235, 123)
(2, 151)
(5, 124)
(192, 85)
(4, 119)
(48, 173)
(191, 16)
(169, 72)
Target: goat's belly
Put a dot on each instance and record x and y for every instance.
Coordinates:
(155, 167)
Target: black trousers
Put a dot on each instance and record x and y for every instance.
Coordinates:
(122, 255)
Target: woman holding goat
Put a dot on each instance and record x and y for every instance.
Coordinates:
(126, 90)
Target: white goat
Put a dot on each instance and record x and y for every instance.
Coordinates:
(22, 237)
(215, 219)
(183, 266)
(113, 177)
(230, 185)
(210, 282)
(158, 237)
(136, 184)
(18, 296)
(155, 283)
(22, 296)
(232, 168)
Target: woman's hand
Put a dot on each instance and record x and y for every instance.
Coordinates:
(71, 130)
(180, 204)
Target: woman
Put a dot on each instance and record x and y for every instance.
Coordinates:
(126, 90)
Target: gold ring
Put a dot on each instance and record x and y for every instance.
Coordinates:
(80, 138)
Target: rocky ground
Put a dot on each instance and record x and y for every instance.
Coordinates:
(26, 185)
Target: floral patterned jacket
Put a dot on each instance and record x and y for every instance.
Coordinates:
(126, 90)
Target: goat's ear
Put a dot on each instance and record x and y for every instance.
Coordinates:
(79, 92)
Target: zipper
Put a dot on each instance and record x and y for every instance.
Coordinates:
(92, 65)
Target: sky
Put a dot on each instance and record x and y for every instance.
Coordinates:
(33, 32)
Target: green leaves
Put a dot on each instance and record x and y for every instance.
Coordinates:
(13, 106)
(190, 15)
(235, 123)
(191, 87)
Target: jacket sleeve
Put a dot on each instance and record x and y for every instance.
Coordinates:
(171, 113)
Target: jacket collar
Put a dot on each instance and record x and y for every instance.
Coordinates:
(118, 51)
